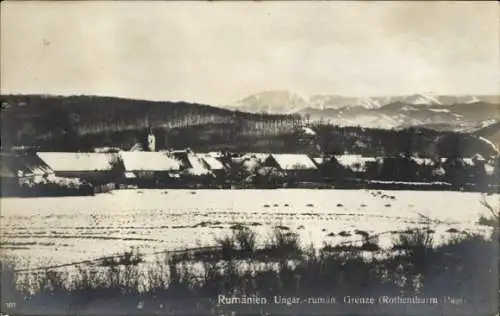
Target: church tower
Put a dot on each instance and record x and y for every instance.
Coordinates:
(151, 140)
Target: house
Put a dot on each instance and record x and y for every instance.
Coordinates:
(458, 170)
(295, 166)
(423, 161)
(147, 167)
(359, 166)
(428, 169)
(192, 165)
(213, 164)
(25, 165)
(399, 168)
(19, 168)
(329, 168)
(26, 174)
(355, 163)
(96, 168)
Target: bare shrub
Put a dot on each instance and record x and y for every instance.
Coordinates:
(284, 244)
(246, 239)
(228, 246)
(414, 241)
(128, 258)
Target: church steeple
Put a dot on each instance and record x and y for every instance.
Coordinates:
(151, 140)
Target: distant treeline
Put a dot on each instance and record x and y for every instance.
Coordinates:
(82, 123)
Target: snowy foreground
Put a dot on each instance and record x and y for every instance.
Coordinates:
(46, 231)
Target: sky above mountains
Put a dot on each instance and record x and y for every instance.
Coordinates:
(218, 53)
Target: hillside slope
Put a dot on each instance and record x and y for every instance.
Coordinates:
(82, 123)
(491, 133)
(35, 119)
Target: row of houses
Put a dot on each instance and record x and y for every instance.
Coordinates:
(101, 168)
(153, 168)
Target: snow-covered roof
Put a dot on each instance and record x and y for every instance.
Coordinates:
(149, 161)
(356, 163)
(318, 160)
(250, 164)
(198, 166)
(294, 161)
(106, 149)
(423, 161)
(130, 175)
(478, 157)
(308, 130)
(212, 162)
(468, 162)
(136, 147)
(32, 164)
(214, 154)
(65, 161)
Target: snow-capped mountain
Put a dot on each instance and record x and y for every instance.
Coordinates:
(273, 101)
(421, 99)
(443, 112)
(369, 103)
(472, 99)
(337, 102)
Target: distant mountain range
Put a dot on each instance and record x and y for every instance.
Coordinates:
(444, 112)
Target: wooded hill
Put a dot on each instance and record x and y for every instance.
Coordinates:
(82, 123)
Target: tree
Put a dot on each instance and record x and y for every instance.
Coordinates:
(117, 168)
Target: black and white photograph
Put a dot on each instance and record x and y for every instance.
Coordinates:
(267, 158)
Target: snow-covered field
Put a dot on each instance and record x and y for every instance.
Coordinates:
(42, 231)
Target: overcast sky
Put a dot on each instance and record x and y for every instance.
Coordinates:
(217, 53)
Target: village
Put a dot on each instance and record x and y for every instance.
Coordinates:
(31, 173)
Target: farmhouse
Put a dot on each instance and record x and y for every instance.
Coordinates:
(360, 166)
(330, 169)
(213, 164)
(146, 167)
(19, 168)
(192, 164)
(295, 166)
(423, 161)
(24, 166)
(96, 168)
(399, 169)
(427, 169)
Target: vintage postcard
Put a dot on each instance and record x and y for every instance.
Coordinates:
(250, 158)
